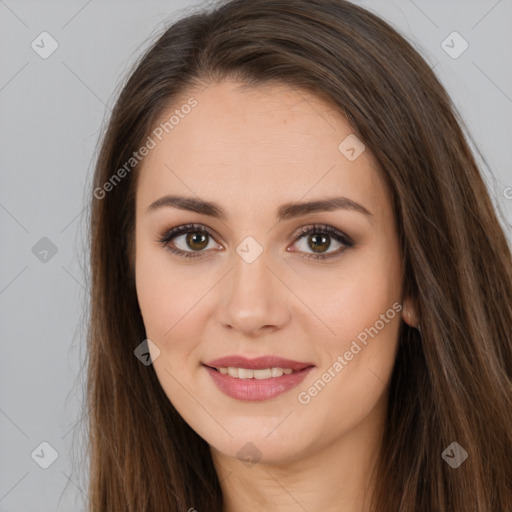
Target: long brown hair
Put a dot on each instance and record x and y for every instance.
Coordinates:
(451, 383)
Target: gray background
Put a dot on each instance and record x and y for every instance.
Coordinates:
(51, 112)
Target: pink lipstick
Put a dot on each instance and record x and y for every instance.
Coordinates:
(257, 379)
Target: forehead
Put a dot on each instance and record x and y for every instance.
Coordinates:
(254, 143)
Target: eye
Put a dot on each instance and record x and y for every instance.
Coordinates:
(194, 238)
(318, 239)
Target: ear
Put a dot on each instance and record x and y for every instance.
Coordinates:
(410, 312)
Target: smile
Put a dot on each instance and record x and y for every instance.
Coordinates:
(247, 373)
(256, 385)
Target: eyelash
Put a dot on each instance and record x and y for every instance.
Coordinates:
(316, 229)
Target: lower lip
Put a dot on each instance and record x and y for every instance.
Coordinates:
(253, 390)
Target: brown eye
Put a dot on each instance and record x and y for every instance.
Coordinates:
(319, 239)
(197, 240)
(188, 241)
(318, 243)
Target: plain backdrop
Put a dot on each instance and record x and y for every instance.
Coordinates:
(52, 107)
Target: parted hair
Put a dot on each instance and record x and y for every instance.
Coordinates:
(452, 382)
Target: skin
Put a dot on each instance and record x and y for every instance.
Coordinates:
(251, 151)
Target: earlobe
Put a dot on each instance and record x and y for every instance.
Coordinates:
(410, 313)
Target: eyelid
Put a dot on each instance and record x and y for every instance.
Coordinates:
(339, 236)
(171, 233)
(323, 228)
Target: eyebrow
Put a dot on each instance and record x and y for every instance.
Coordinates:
(285, 212)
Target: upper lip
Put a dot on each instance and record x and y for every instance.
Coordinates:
(258, 363)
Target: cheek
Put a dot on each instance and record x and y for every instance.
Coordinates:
(362, 314)
(159, 293)
(151, 292)
(367, 288)
(172, 303)
(356, 366)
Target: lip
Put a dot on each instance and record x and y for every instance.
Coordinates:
(257, 363)
(253, 390)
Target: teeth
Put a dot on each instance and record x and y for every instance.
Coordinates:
(246, 373)
(233, 372)
(243, 373)
(266, 373)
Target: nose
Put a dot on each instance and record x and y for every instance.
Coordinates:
(253, 300)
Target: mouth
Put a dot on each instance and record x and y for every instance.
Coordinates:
(250, 373)
(256, 379)
(258, 363)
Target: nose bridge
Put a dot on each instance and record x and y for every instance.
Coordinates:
(251, 268)
(252, 298)
(250, 281)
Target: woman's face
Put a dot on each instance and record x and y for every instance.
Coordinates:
(252, 287)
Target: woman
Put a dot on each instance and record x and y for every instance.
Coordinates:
(301, 291)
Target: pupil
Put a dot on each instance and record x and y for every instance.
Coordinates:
(197, 238)
(320, 240)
